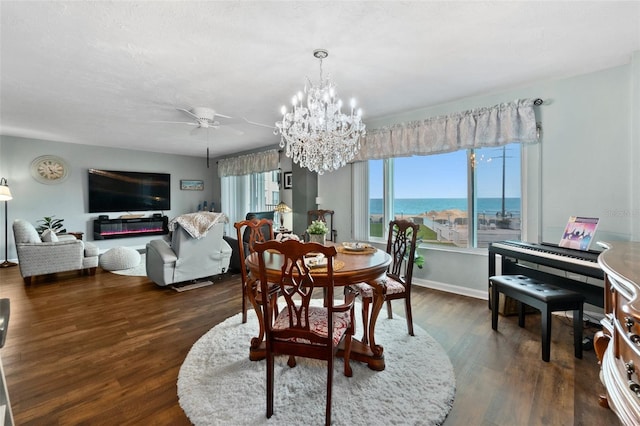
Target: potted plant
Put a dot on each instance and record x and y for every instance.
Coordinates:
(48, 222)
(317, 231)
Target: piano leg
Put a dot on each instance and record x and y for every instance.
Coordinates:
(492, 272)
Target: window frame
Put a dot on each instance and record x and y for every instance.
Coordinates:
(388, 167)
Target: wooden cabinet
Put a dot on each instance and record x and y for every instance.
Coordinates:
(6, 416)
(618, 344)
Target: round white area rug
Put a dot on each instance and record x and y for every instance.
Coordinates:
(219, 385)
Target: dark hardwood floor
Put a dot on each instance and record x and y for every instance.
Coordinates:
(106, 349)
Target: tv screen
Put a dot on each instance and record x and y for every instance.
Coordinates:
(117, 191)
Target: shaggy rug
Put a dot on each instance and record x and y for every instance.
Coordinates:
(219, 385)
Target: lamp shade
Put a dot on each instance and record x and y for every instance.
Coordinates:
(282, 208)
(5, 192)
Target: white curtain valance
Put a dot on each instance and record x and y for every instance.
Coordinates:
(258, 162)
(483, 127)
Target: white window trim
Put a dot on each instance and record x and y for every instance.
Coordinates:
(360, 200)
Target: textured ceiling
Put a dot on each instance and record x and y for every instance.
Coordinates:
(105, 73)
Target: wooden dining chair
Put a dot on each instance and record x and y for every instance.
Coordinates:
(401, 245)
(300, 328)
(249, 232)
(325, 216)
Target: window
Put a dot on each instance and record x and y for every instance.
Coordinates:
(439, 191)
(248, 193)
(498, 196)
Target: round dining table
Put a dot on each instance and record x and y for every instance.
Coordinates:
(351, 266)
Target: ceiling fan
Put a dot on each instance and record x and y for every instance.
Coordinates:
(202, 118)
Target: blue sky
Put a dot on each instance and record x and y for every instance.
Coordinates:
(445, 176)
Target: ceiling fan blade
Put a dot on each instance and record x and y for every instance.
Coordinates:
(259, 124)
(177, 122)
(186, 111)
(222, 115)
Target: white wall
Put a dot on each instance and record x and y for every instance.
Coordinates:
(588, 161)
(68, 200)
(335, 191)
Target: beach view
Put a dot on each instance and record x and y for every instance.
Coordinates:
(446, 221)
(434, 191)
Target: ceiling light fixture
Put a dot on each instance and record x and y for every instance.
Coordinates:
(317, 135)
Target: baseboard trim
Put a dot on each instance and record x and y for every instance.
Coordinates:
(484, 295)
(449, 288)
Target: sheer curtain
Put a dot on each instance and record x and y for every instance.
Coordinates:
(242, 186)
(483, 127)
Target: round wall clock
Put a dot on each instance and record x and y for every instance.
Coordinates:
(49, 169)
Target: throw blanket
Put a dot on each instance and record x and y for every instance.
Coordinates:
(197, 224)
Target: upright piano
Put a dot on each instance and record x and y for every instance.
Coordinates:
(562, 267)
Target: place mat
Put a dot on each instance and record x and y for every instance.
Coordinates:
(337, 265)
(368, 250)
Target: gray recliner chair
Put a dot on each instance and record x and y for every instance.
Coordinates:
(187, 258)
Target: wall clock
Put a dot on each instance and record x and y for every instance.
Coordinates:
(49, 169)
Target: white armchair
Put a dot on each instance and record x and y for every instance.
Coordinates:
(62, 253)
(188, 258)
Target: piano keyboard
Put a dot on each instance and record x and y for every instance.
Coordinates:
(586, 259)
(518, 257)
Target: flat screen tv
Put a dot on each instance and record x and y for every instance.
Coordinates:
(118, 191)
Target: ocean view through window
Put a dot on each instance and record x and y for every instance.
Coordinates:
(466, 198)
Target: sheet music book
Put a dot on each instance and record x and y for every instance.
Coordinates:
(578, 234)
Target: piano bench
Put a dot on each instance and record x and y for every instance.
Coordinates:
(544, 297)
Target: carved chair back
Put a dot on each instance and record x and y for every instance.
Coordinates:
(249, 232)
(302, 328)
(401, 245)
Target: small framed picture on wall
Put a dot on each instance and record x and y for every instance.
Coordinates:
(191, 185)
(287, 180)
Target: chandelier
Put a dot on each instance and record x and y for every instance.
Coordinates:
(316, 133)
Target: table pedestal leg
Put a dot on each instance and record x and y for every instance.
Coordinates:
(361, 352)
(367, 350)
(257, 353)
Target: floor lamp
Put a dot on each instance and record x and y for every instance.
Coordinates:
(5, 195)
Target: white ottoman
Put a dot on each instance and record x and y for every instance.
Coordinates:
(119, 258)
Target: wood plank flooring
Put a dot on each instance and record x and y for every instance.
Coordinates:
(106, 350)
